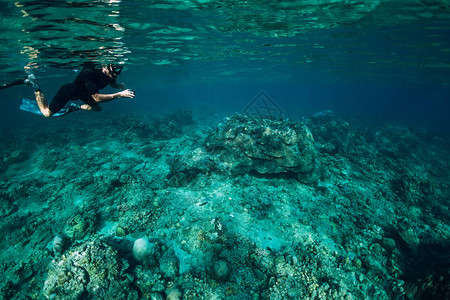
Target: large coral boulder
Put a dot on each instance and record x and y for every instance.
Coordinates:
(263, 145)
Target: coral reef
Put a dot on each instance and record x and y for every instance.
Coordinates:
(228, 211)
(185, 167)
(263, 145)
(91, 270)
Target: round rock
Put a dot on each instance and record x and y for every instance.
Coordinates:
(143, 249)
(221, 270)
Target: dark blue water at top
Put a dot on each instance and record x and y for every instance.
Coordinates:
(381, 61)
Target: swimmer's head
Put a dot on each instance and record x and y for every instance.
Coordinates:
(115, 70)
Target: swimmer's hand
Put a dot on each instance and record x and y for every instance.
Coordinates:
(126, 93)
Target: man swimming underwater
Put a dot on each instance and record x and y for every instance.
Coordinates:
(85, 88)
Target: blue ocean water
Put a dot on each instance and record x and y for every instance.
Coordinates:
(274, 150)
(381, 60)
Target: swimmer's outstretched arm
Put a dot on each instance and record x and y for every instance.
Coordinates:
(108, 97)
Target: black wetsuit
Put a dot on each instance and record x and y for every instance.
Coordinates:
(87, 83)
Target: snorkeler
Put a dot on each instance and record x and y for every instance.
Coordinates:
(85, 88)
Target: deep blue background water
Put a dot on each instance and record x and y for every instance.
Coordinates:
(384, 61)
(361, 100)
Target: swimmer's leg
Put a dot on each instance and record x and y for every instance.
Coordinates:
(91, 108)
(31, 80)
(42, 103)
(40, 98)
(13, 83)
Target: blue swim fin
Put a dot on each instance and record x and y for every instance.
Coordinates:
(32, 107)
(64, 111)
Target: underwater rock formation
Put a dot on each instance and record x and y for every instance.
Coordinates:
(171, 124)
(2, 166)
(80, 225)
(374, 227)
(266, 146)
(142, 249)
(162, 127)
(92, 270)
(7, 205)
(186, 167)
(221, 270)
(331, 134)
(58, 245)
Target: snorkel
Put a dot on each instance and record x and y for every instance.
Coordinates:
(115, 70)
